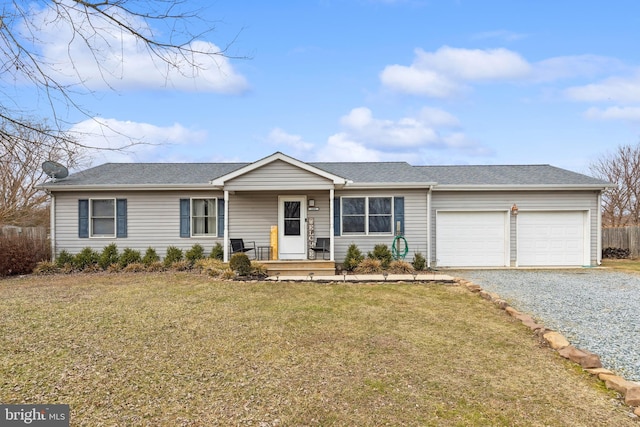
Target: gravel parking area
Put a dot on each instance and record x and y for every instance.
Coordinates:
(596, 310)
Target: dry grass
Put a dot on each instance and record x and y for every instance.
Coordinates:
(181, 349)
(628, 265)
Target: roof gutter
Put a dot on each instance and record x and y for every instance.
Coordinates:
(389, 185)
(136, 187)
(540, 187)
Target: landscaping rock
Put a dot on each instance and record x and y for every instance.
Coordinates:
(632, 397)
(598, 371)
(637, 412)
(619, 384)
(583, 358)
(556, 340)
(512, 311)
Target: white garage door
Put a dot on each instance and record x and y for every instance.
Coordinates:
(551, 238)
(472, 239)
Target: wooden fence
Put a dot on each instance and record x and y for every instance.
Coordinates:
(39, 233)
(623, 238)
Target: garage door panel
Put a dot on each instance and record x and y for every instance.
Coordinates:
(471, 239)
(551, 238)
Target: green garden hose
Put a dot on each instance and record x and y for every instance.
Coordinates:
(395, 248)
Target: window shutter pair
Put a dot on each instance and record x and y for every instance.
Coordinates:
(83, 218)
(185, 216)
(398, 214)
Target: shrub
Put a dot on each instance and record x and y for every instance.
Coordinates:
(173, 255)
(400, 267)
(155, 266)
(108, 256)
(195, 253)
(135, 267)
(258, 269)
(19, 254)
(150, 256)
(353, 258)
(212, 267)
(383, 253)
(129, 256)
(228, 274)
(240, 264)
(369, 266)
(419, 263)
(45, 267)
(182, 265)
(64, 258)
(217, 252)
(114, 268)
(87, 257)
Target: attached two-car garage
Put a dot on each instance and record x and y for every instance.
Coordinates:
(484, 238)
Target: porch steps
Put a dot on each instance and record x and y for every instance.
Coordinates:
(300, 268)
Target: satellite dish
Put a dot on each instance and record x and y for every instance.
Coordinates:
(55, 170)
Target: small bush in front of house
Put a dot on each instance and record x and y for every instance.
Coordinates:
(150, 256)
(212, 267)
(155, 266)
(369, 266)
(240, 264)
(353, 258)
(258, 269)
(44, 268)
(173, 255)
(64, 258)
(383, 253)
(86, 260)
(217, 252)
(129, 256)
(228, 274)
(135, 267)
(108, 256)
(182, 265)
(20, 254)
(400, 267)
(418, 262)
(195, 253)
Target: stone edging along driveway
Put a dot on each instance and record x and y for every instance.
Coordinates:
(590, 362)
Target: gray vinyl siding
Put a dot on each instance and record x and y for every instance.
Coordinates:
(153, 220)
(526, 201)
(415, 224)
(278, 176)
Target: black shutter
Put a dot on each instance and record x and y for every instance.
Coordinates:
(220, 217)
(83, 218)
(185, 208)
(336, 216)
(398, 214)
(121, 218)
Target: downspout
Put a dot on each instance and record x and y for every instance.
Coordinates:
(429, 226)
(52, 226)
(226, 226)
(599, 232)
(331, 225)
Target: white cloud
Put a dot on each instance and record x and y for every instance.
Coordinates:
(614, 89)
(437, 117)
(614, 113)
(341, 148)
(565, 67)
(444, 72)
(115, 59)
(111, 140)
(293, 143)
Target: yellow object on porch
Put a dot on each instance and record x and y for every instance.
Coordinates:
(274, 242)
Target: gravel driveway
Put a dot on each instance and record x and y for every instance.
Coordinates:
(596, 310)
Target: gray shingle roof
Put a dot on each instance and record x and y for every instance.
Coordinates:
(505, 175)
(119, 174)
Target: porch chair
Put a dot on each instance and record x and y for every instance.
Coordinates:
(239, 246)
(323, 244)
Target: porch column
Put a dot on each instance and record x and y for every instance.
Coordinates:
(331, 226)
(226, 226)
(429, 226)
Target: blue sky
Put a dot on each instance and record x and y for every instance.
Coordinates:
(427, 82)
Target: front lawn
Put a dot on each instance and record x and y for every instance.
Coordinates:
(180, 349)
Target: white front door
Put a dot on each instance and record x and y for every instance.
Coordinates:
(292, 227)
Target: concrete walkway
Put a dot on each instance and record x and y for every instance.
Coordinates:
(359, 278)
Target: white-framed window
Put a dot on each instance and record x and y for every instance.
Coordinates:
(366, 215)
(102, 214)
(204, 217)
